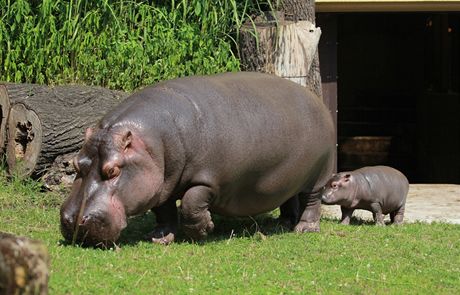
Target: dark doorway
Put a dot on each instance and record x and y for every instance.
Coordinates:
(398, 92)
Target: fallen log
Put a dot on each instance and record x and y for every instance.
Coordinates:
(4, 110)
(24, 265)
(45, 122)
(61, 174)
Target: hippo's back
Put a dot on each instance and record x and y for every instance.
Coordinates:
(387, 184)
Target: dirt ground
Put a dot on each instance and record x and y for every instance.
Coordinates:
(425, 202)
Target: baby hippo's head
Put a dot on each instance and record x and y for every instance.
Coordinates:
(339, 188)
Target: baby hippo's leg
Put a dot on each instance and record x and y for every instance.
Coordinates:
(376, 209)
(397, 216)
(346, 215)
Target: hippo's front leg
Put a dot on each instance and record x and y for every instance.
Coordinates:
(196, 218)
(166, 228)
(346, 215)
(376, 209)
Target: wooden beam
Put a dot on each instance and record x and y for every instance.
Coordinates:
(386, 5)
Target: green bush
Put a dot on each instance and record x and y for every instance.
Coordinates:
(116, 44)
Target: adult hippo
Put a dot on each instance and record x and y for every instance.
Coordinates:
(234, 144)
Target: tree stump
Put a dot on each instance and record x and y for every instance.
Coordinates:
(45, 122)
(284, 48)
(257, 46)
(24, 265)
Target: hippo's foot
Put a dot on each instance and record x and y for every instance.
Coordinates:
(378, 219)
(163, 235)
(304, 227)
(199, 229)
(397, 216)
(398, 221)
(345, 221)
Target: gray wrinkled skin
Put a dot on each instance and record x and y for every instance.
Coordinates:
(379, 189)
(235, 144)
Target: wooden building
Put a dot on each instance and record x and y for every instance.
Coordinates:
(391, 69)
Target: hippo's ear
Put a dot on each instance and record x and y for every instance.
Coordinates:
(126, 139)
(346, 177)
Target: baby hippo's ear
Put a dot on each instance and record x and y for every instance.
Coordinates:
(346, 177)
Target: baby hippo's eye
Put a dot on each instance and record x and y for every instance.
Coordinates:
(334, 185)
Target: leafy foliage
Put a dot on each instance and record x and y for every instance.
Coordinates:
(118, 44)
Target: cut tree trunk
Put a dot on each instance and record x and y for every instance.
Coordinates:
(24, 265)
(304, 10)
(286, 47)
(46, 122)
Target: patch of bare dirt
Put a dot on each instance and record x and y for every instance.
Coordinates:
(425, 202)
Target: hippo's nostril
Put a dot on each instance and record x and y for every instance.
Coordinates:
(84, 219)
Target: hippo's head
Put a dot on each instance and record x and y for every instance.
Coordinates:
(338, 189)
(118, 175)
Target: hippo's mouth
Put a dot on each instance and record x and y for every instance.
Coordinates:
(99, 228)
(326, 199)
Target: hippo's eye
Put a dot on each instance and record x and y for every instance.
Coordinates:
(112, 172)
(334, 185)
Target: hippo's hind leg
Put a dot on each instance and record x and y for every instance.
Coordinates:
(196, 218)
(376, 209)
(289, 212)
(309, 221)
(397, 216)
(166, 228)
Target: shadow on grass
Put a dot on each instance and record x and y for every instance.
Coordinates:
(225, 228)
(354, 221)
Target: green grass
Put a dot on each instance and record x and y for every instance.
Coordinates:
(237, 259)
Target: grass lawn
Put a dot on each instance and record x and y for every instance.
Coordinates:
(238, 259)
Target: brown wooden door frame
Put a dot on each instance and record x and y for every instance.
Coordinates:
(328, 63)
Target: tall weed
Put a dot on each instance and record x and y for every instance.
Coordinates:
(117, 43)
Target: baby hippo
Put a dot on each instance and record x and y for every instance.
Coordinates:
(379, 189)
